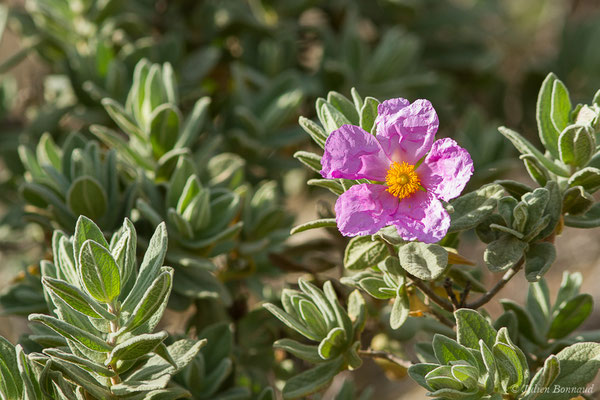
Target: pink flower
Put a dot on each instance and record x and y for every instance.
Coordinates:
(408, 171)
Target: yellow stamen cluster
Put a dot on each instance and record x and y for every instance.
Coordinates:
(402, 180)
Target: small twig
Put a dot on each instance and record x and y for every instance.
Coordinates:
(465, 294)
(484, 299)
(450, 293)
(440, 317)
(385, 356)
(428, 291)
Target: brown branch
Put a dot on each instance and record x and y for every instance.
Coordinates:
(489, 295)
(440, 317)
(450, 293)
(385, 356)
(428, 291)
(465, 294)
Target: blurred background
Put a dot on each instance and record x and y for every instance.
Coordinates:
(264, 64)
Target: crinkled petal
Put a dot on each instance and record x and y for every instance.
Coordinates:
(446, 169)
(352, 153)
(421, 217)
(406, 131)
(364, 209)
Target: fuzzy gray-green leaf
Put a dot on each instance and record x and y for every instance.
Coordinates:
(425, 261)
(99, 272)
(136, 347)
(363, 252)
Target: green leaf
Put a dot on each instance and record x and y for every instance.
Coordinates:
(31, 389)
(571, 315)
(87, 197)
(447, 350)
(546, 129)
(368, 114)
(99, 272)
(425, 261)
(267, 394)
(86, 229)
(341, 316)
(357, 311)
(561, 106)
(579, 364)
(318, 297)
(525, 147)
(526, 325)
(319, 223)
(305, 352)
(588, 178)
(538, 303)
(543, 379)
(363, 252)
(576, 145)
(373, 286)
(441, 379)
(193, 123)
(77, 299)
(400, 309)
(11, 385)
(514, 188)
(344, 105)
(535, 169)
(490, 365)
(113, 140)
(591, 219)
(313, 318)
(569, 288)
(504, 253)
(471, 327)
(182, 351)
(164, 129)
(80, 361)
(74, 333)
(577, 201)
(311, 160)
(538, 259)
(509, 321)
(356, 98)
(48, 153)
(468, 375)
(291, 321)
(472, 208)
(318, 135)
(312, 380)
(333, 185)
(331, 344)
(136, 347)
(331, 118)
(123, 119)
(513, 356)
(150, 267)
(151, 301)
(510, 368)
(418, 372)
(553, 209)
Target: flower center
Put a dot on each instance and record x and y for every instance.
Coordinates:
(402, 180)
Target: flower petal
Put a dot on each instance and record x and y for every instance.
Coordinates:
(421, 217)
(406, 131)
(364, 209)
(352, 153)
(446, 169)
